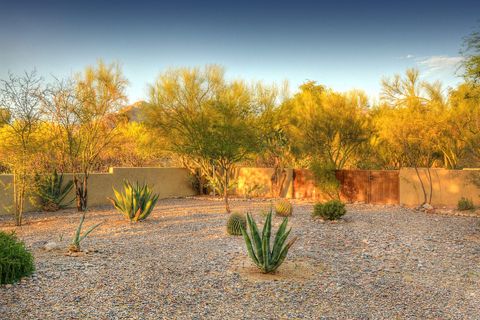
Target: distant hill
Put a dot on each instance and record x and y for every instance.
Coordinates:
(133, 111)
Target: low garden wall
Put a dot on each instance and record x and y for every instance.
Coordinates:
(167, 182)
(448, 185)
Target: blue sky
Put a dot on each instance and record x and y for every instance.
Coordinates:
(341, 44)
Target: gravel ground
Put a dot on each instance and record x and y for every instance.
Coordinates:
(381, 262)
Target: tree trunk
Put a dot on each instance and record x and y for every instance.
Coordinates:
(81, 188)
(225, 191)
(422, 185)
(431, 185)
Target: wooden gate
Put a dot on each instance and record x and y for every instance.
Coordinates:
(369, 186)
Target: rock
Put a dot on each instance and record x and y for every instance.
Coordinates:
(52, 246)
(427, 206)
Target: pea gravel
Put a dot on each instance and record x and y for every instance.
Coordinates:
(380, 262)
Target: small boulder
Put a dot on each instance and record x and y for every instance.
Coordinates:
(427, 206)
(52, 246)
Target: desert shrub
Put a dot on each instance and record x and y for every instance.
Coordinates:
(15, 260)
(235, 223)
(136, 202)
(465, 204)
(283, 208)
(267, 258)
(330, 210)
(52, 192)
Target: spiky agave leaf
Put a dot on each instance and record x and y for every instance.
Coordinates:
(136, 202)
(272, 258)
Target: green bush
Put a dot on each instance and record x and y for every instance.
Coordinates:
(235, 223)
(52, 192)
(267, 258)
(465, 204)
(331, 210)
(15, 260)
(136, 202)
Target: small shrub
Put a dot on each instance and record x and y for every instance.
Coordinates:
(331, 210)
(15, 260)
(52, 192)
(267, 258)
(136, 202)
(78, 237)
(465, 204)
(283, 208)
(235, 223)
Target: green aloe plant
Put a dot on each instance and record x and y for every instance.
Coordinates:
(78, 237)
(53, 192)
(265, 257)
(136, 202)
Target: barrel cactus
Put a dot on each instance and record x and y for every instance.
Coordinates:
(235, 223)
(283, 208)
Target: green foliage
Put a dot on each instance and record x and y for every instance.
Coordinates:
(465, 204)
(329, 126)
(235, 223)
(15, 260)
(78, 237)
(471, 54)
(325, 178)
(330, 210)
(136, 202)
(266, 257)
(283, 208)
(52, 192)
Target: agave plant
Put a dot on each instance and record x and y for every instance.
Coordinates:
(53, 193)
(265, 257)
(78, 237)
(136, 202)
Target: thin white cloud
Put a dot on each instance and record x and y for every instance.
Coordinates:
(409, 56)
(435, 64)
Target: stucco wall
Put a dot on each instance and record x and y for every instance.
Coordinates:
(261, 177)
(167, 182)
(448, 186)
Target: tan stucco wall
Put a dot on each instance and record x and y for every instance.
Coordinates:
(167, 182)
(448, 186)
(248, 177)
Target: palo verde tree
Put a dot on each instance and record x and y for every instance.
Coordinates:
(207, 121)
(329, 129)
(275, 144)
(409, 122)
(83, 111)
(20, 101)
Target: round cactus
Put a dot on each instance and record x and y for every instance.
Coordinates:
(234, 222)
(283, 208)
